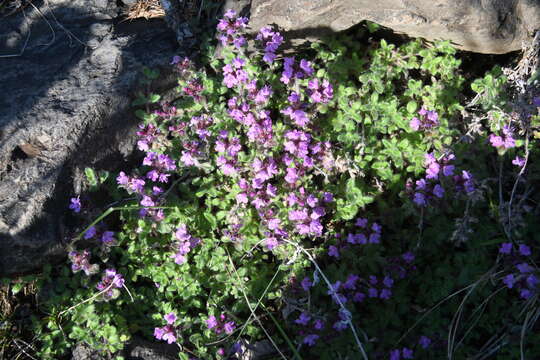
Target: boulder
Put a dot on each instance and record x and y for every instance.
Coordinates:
(69, 70)
(482, 26)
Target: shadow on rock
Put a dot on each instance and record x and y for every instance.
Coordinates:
(65, 106)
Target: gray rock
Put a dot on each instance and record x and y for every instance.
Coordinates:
(483, 26)
(68, 70)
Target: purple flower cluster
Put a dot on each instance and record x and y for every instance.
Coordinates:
(292, 70)
(193, 88)
(190, 153)
(200, 125)
(437, 171)
(107, 237)
(167, 332)
(525, 279)
(229, 29)
(228, 150)
(404, 353)
(80, 260)
(220, 325)
(234, 73)
(271, 40)
(309, 328)
(369, 235)
(111, 282)
(503, 141)
(320, 92)
(259, 123)
(147, 134)
(161, 164)
(296, 110)
(429, 119)
(186, 242)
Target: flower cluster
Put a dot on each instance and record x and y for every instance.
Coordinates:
(367, 235)
(292, 69)
(310, 327)
(229, 29)
(147, 135)
(161, 164)
(80, 260)
(525, 279)
(186, 242)
(271, 40)
(438, 171)
(503, 141)
(234, 73)
(404, 353)
(428, 120)
(106, 237)
(110, 282)
(167, 332)
(220, 325)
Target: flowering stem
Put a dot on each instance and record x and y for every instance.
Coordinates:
(112, 209)
(251, 309)
(87, 300)
(329, 285)
(517, 180)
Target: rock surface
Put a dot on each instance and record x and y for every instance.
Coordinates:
(483, 26)
(68, 70)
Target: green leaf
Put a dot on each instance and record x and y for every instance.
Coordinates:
(153, 98)
(91, 176)
(412, 106)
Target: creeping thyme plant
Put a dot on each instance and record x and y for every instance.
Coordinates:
(344, 203)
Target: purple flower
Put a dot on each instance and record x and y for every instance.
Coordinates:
(419, 199)
(166, 333)
(408, 257)
(524, 250)
(506, 248)
(170, 318)
(333, 251)
(81, 261)
(388, 281)
(109, 281)
(424, 342)
(108, 237)
(509, 280)
(75, 204)
(505, 141)
(407, 353)
(359, 297)
(385, 294)
(90, 233)
(306, 283)
(158, 333)
(350, 284)
(519, 161)
(532, 281)
(395, 354)
(525, 293)
(229, 327)
(310, 339)
(211, 322)
(524, 268)
(428, 120)
(303, 319)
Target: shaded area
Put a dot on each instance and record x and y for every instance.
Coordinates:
(67, 106)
